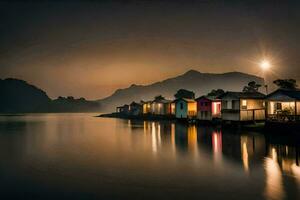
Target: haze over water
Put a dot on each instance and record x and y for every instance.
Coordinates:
(77, 156)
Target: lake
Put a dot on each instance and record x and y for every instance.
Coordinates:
(78, 156)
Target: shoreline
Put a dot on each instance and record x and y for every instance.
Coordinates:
(138, 117)
(265, 126)
(163, 118)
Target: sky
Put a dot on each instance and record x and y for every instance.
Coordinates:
(91, 48)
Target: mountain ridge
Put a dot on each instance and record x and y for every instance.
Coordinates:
(186, 73)
(19, 96)
(200, 83)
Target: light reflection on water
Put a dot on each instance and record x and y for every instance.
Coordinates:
(78, 156)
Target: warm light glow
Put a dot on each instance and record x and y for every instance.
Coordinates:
(217, 142)
(192, 108)
(173, 137)
(154, 139)
(192, 138)
(296, 172)
(272, 106)
(216, 108)
(158, 133)
(244, 103)
(217, 146)
(265, 64)
(245, 157)
(274, 184)
(274, 154)
(173, 108)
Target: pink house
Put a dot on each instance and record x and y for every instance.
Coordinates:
(208, 108)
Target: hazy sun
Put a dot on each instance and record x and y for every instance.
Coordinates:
(265, 64)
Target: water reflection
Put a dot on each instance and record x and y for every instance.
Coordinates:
(79, 155)
(247, 150)
(274, 186)
(217, 145)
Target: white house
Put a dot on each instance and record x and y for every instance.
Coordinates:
(243, 106)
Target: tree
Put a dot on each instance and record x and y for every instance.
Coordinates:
(182, 93)
(252, 87)
(159, 98)
(215, 93)
(286, 83)
(70, 98)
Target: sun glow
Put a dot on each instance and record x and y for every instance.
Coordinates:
(265, 65)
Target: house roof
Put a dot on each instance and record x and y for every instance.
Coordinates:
(162, 101)
(135, 104)
(184, 99)
(146, 102)
(243, 95)
(125, 105)
(284, 94)
(210, 98)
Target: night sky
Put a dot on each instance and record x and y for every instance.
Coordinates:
(91, 48)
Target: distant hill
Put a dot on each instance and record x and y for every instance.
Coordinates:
(200, 83)
(17, 96)
(70, 104)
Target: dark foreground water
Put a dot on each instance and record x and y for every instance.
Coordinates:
(77, 156)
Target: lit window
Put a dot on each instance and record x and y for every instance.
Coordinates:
(244, 103)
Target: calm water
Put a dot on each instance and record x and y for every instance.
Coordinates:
(77, 156)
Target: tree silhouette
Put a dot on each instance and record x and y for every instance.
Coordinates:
(286, 83)
(251, 87)
(215, 93)
(159, 98)
(182, 93)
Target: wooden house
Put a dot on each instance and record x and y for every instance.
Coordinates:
(161, 107)
(208, 108)
(185, 108)
(283, 105)
(242, 106)
(123, 109)
(135, 108)
(147, 107)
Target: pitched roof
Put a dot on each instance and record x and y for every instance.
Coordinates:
(184, 99)
(146, 102)
(211, 98)
(162, 101)
(243, 95)
(135, 104)
(289, 93)
(125, 105)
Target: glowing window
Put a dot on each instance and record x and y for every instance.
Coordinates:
(244, 102)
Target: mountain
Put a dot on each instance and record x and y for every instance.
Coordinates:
(70, 104)
(17, 96)
(200, 83)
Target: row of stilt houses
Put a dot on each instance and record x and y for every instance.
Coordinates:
(281, 105)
